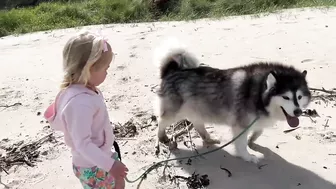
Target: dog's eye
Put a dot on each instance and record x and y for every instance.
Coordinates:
(299, 97)
(285, 97)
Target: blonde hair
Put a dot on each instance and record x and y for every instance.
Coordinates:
(80, 54)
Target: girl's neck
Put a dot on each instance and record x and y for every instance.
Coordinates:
(93, 88)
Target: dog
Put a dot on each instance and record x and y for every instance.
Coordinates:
(235, 96)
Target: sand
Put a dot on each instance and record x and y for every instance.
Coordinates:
(305, 158)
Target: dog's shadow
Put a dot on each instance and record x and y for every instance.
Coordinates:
(276, 173)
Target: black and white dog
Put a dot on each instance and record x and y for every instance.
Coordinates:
(233, 97)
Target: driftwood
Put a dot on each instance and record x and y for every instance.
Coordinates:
(328, 95)
(23, 154)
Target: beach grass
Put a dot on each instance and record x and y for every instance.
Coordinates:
(57, 15)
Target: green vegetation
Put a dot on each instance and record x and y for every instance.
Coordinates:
(55, 15)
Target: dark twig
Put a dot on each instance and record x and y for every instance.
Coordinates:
(146, 126)
(8, 106)
(261, 166)
(312, 120)
(277, 146)
(330, 94)
(324, 97)
(192, 145)
(290, 130)
(4, 170)
(227, 170)
(184, 131)
(323, 90)
(326, 124)
(166, 165)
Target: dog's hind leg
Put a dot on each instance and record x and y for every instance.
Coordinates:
(163, 123)
(255, 135)
(241, 145)
(207, 139)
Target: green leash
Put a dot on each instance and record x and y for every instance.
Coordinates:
(144, 175)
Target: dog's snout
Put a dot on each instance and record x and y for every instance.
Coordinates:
(297, 112)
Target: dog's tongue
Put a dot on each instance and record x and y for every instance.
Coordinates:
(292, 121)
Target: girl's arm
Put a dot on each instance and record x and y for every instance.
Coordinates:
(78, 115)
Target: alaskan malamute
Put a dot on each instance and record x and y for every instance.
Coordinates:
(234, 96)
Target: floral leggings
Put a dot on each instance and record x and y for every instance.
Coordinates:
(95, 178)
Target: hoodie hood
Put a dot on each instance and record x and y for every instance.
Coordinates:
(53, 114)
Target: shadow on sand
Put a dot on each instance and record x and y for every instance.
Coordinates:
(276, 174)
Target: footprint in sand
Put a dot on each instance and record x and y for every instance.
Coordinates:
(10, 98)
(125, 79)
(8, 93)
(306, 60)
(121, 67)
(115, 100)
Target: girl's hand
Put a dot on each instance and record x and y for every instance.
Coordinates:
(118, 170)
(119, 183)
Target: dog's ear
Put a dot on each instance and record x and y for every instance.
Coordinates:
(304, 73)
(270, 80)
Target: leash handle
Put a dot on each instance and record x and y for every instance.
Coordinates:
(117, 149)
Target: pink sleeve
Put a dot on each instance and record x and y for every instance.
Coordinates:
(79, 118)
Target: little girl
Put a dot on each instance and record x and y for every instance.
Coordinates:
(79, 111)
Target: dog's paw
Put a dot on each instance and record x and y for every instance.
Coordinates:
(164, 139)
(250, 158)
(211, 141)
(172, 145)
(157, 149)
(252, 145)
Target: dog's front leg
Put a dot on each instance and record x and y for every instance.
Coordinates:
(241, 145)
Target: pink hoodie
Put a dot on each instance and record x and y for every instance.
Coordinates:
(81, 115)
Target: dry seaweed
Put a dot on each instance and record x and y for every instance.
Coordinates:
(195, 181)
(21, 153)
(128, 129)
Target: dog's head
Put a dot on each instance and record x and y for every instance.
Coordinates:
(286, 94)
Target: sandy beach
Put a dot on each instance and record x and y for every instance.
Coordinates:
(30, 75)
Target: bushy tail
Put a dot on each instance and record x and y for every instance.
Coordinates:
(172, 55)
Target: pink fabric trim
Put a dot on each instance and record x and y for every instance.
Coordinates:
(50, 112)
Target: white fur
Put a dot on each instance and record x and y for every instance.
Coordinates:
(238, 77)
(270, 82)
(304, 101)
(172, 48)
(288, 105)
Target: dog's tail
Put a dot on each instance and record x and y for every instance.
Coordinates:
(171, 56)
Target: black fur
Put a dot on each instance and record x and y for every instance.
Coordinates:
(248, 96)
